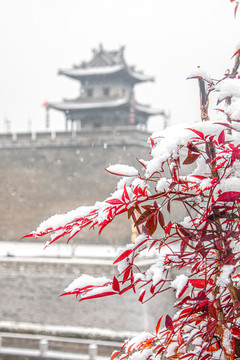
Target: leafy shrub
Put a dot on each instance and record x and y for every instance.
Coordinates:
(203, 247)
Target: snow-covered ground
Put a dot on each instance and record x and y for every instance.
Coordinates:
(31, 249)
(64, 252)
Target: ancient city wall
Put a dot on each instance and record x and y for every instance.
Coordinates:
(48, 173)
(31, 295)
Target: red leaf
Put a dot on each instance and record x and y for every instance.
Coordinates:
(199, 133)
(142, 296)
(152, 288)
(169, 323)
(143, 217)
(219, 166)
(123, 256)
(183, 301)
(151, 225)
(188, 355)
(227, 125)
(235, 13)
(115, 353)
(168, 228)
(183, 246)
(125, 193)
(207, 356)
(126, 289)
(190, 159)
(221, 137)
(192, 147)
(161, 219)
(29, 235)
(115, 284)
(229, 196)
(200, 177)
(236, 331)
(198, 283)
(140, 162)
(126, 274)
(179, 338)
(114, 202)
(238, 51)
(158, 324)
(130, 212)
(212, 311)
(161, 350)
(183, 290)
(106, 293)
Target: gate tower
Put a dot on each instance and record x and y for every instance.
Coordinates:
(106, 96)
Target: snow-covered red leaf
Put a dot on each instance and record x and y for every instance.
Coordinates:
(151, 141)
(122, 170)
(226, 125)
(191, 158)
(199, 133)
(99, 295)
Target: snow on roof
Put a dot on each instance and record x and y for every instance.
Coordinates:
(75, 72)
(140, 76)
(68, 105)
(64, 106)
(148, 109)
(104, 70)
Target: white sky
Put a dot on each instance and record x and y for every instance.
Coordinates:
(164, 38)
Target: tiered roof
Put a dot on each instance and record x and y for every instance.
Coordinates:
(105, 67)
(106, 63)
(116, 103)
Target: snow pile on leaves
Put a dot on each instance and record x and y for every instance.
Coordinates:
(203, 247)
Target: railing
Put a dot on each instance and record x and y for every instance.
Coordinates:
(102, 137)
(29, 346)
(14, 136)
